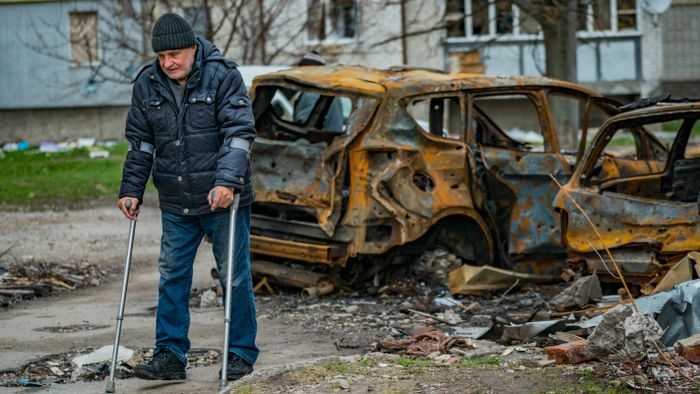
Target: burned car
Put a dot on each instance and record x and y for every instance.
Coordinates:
(645, 207)
(373, 166)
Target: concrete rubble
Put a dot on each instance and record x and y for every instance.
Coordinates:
(581, 292)
(622, 333)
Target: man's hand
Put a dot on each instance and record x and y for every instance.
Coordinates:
(132, 212)
(220, 197)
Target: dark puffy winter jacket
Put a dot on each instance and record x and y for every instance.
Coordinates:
(203, 144)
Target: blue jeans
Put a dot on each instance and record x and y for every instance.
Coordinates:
(181, 238)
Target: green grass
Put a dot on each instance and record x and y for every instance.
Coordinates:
(587, 384)
(368, 361)
(413, 362)
(247, 389)
(479, 362)
(336, 366)
(676, 124)
(36, 181)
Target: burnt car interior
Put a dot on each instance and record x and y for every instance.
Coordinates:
(294, 112)
(488, 132)
(648, 170)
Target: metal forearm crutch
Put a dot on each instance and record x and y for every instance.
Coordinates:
(120, 314)
(228, 290)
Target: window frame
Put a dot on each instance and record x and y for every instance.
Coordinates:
(590, 31)
(538, 99)
(404, 101)
(328, 25)
(76, 63)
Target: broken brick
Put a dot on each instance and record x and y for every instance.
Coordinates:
(568, 353)
(692, 354)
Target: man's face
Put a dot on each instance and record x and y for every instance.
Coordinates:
(177, 63)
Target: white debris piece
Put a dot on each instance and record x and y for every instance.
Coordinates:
(103, 355)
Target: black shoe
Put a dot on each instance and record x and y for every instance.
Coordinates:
(236, 368)
(164, 365)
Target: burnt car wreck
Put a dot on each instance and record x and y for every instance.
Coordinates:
(357, 169)
(643, 202)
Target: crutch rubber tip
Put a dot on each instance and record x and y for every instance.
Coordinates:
(222, 384)
(110, 386)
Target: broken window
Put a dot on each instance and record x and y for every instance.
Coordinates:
(563, 105)
(567, 111)
(507, 120)
(83, 37)
(454, 18)
(293, 113)
(626, 15)
(331, 20)
(629, 153)
(601, 15)
(608, 15)
(504, 17)
(489, 17)
(440, 116)
(492, 17)
(479, 17)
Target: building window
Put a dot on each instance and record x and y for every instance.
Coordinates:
(197, 18)
(83, 37)
(332, 20)
(475, 18)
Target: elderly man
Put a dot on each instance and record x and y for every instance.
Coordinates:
(191, 123)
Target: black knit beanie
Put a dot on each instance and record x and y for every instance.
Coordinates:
(171, 31)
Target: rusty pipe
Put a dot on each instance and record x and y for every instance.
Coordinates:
(323, 288)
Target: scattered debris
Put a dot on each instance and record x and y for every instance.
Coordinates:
(312, 284)
(681, 272)
(103, 355)
(580, 293)
(29, 382)
(435, 265)
(95, 154)
(569, 353)
(689, 348)
(423, 342)
(15, 146)
(72, 328)
(526, 331)
(623, 333)
(208, 299)
(29, 278)
(471, 280)
(468, 332)
(90, 365)
(675, 311)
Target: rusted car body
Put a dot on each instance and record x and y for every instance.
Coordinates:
(643, 202)
(412, 158)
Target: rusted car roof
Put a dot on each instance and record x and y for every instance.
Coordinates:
(374, 81)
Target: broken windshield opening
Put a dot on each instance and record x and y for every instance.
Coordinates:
(293, 112)
(632, 162)
(508, 120)
(439, 116)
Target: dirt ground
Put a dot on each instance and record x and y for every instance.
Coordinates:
(317, 345)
